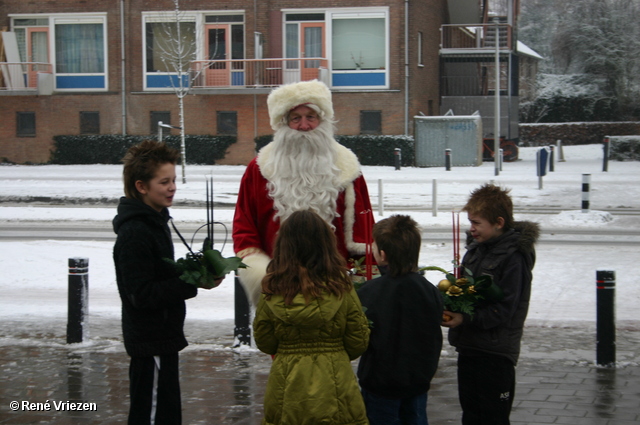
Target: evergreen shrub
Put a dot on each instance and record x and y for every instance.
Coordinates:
(370, 149)
(624, 148)
(111, 148)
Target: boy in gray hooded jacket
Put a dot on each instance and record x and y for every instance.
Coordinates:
(488, 344)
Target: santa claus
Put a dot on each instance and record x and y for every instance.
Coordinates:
(303, 168)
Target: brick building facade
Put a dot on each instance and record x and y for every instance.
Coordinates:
(122, 91)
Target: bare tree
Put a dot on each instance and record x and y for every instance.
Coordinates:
(175, 47)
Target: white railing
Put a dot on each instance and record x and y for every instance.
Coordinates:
(22, 75)
(236, 73)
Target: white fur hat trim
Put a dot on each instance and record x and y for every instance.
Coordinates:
(286, 97)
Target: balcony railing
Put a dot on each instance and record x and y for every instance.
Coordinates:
(22, 76)
(240, 73)
(475, 37)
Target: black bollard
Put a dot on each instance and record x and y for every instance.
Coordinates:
(605, 326)
(78, 298)
(242, 331)
(605, 159)
(397, 157)
(551, 161)
(447, 159)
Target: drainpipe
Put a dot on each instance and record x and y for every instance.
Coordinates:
(123, 70)
(406, 67)
(256, 40)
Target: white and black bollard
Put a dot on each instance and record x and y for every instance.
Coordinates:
(78, 300)
(447, 159)
(586, 188)
(605, 324)
(541, 165)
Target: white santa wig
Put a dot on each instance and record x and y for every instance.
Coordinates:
(289, 96)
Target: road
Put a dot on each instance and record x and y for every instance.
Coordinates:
(102, 231)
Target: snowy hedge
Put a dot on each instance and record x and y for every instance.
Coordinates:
(370, 150)
(574, 133)
(111, 148)
(624, 148)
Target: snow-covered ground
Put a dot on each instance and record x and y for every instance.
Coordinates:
(34, 273)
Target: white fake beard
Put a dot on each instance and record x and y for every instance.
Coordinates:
(306, 177)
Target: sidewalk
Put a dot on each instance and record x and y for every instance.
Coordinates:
(558, 382)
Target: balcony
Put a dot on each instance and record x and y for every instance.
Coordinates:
(26, 78)
(474, 39)
(255, 73)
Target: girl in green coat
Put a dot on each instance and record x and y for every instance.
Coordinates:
(310, 319)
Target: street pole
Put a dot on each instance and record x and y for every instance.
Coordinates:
(496, 121)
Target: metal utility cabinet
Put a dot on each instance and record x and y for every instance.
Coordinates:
(462, 134)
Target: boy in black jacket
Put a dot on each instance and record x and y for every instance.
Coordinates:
(488, 344)
(406, 339)
(153, 307)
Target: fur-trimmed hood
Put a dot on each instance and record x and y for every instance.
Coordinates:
(529, 232)
(522, 237)
(346, 161)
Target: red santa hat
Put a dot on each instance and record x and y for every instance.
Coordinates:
(314, 94)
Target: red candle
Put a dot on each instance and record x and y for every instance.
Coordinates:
(456, 244)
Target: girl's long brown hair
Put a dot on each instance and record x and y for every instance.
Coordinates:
(305, 260)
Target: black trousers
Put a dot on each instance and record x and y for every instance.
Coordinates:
(486, 387)
(154, 388)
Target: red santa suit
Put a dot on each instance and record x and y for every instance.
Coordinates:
(254, 227)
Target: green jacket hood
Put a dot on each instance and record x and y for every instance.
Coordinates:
(316, 313)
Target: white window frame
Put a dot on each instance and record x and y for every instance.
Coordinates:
(72, 18)
(199, 17)
(332, 14)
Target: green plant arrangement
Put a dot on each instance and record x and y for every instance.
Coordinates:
(462, 294)
(205, 268)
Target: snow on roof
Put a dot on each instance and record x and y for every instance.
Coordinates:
(526, 50)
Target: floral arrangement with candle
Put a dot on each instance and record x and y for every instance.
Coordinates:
(461, 293)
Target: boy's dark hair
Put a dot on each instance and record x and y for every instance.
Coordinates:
(490, 202)
(141, 163)
(306, 260)
(399, 237)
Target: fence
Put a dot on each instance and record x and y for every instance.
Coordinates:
(22, 75)
(256, 72)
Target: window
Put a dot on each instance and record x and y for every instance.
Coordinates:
(180, 54)
(370, 122)
(228, 123)
(25, 124)
(169, 45)
(89, 122)
(359, 44)
(78, 48)
(159, 116)
(353, 40)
